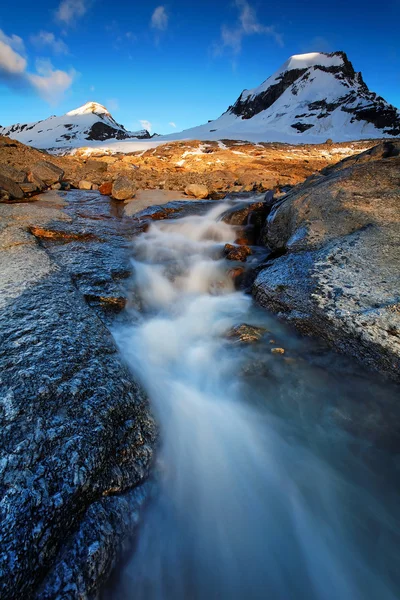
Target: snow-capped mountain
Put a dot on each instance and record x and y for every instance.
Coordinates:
(88, 123)
(312, 97)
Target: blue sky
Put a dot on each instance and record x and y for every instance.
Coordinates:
(179, 63)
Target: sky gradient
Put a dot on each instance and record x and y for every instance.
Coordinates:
(175, 65)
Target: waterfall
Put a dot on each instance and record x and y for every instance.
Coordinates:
(259, 493)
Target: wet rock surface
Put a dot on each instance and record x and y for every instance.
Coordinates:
(337, 243)
(77, 434)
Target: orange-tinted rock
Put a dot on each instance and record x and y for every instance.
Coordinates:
(235, 273)
(237, 252)
(106, 188)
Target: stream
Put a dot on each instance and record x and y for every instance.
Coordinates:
(277, 475)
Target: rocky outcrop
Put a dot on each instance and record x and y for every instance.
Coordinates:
(337, 239)
(77, 436)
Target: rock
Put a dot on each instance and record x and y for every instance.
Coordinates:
(277, 351)
(95, 186)
(47, 172)
(85, 185)
(12, 173)
(13, 189)
(77, 436)
(29, 188)
(237, 252)
(96, 165)
(123, 188)
(387, 149)
(4, 196)
(236, 273)
(106, 188)
(36, 180)
(56, 186)
(197, 191)
(247, 334)
(337, 238)
(250, 215)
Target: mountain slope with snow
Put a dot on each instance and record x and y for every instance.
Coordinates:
(312, 97)
(89, 123)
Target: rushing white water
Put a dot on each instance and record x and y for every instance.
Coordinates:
(251, 502)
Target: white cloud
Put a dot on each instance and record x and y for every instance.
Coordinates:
(172, 124)
(248, 24)
(14, 41)
(159, 19)
(46, 38)
(11, 63)
(146, 124)
(49, 83)
(70, 10)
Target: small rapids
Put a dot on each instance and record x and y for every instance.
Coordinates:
(263, 489)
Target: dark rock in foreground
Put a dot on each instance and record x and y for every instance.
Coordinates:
(338, 272)
(76, 438)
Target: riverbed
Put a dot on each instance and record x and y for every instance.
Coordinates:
(277, 473)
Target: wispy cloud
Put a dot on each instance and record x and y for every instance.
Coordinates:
(46, 81)
(71, 10)
(47, 39)
(172, 124)
(146, 124)
(112, 104)
(247, 25)
(159, 19)
(14, 41)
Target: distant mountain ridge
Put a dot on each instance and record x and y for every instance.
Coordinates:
(90, 122)
(310, 98)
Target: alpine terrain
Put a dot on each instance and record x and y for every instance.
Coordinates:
(90, 122)
(310, 98)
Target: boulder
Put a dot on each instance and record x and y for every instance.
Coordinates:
(12, 173)
(123, 188)
(13, 189)
(196, 190)
(85, 185)
(56, 186)
(31, 178)
(29, 188)
(337, 238)
(106, 188)
(47, 172)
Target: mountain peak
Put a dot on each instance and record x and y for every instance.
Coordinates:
(90, 108)
(311, 59)
(311, 98)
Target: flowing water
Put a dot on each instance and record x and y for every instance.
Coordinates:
(274, 479)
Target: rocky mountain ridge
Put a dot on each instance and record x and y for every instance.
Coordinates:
(310, 98)
(88, 123)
